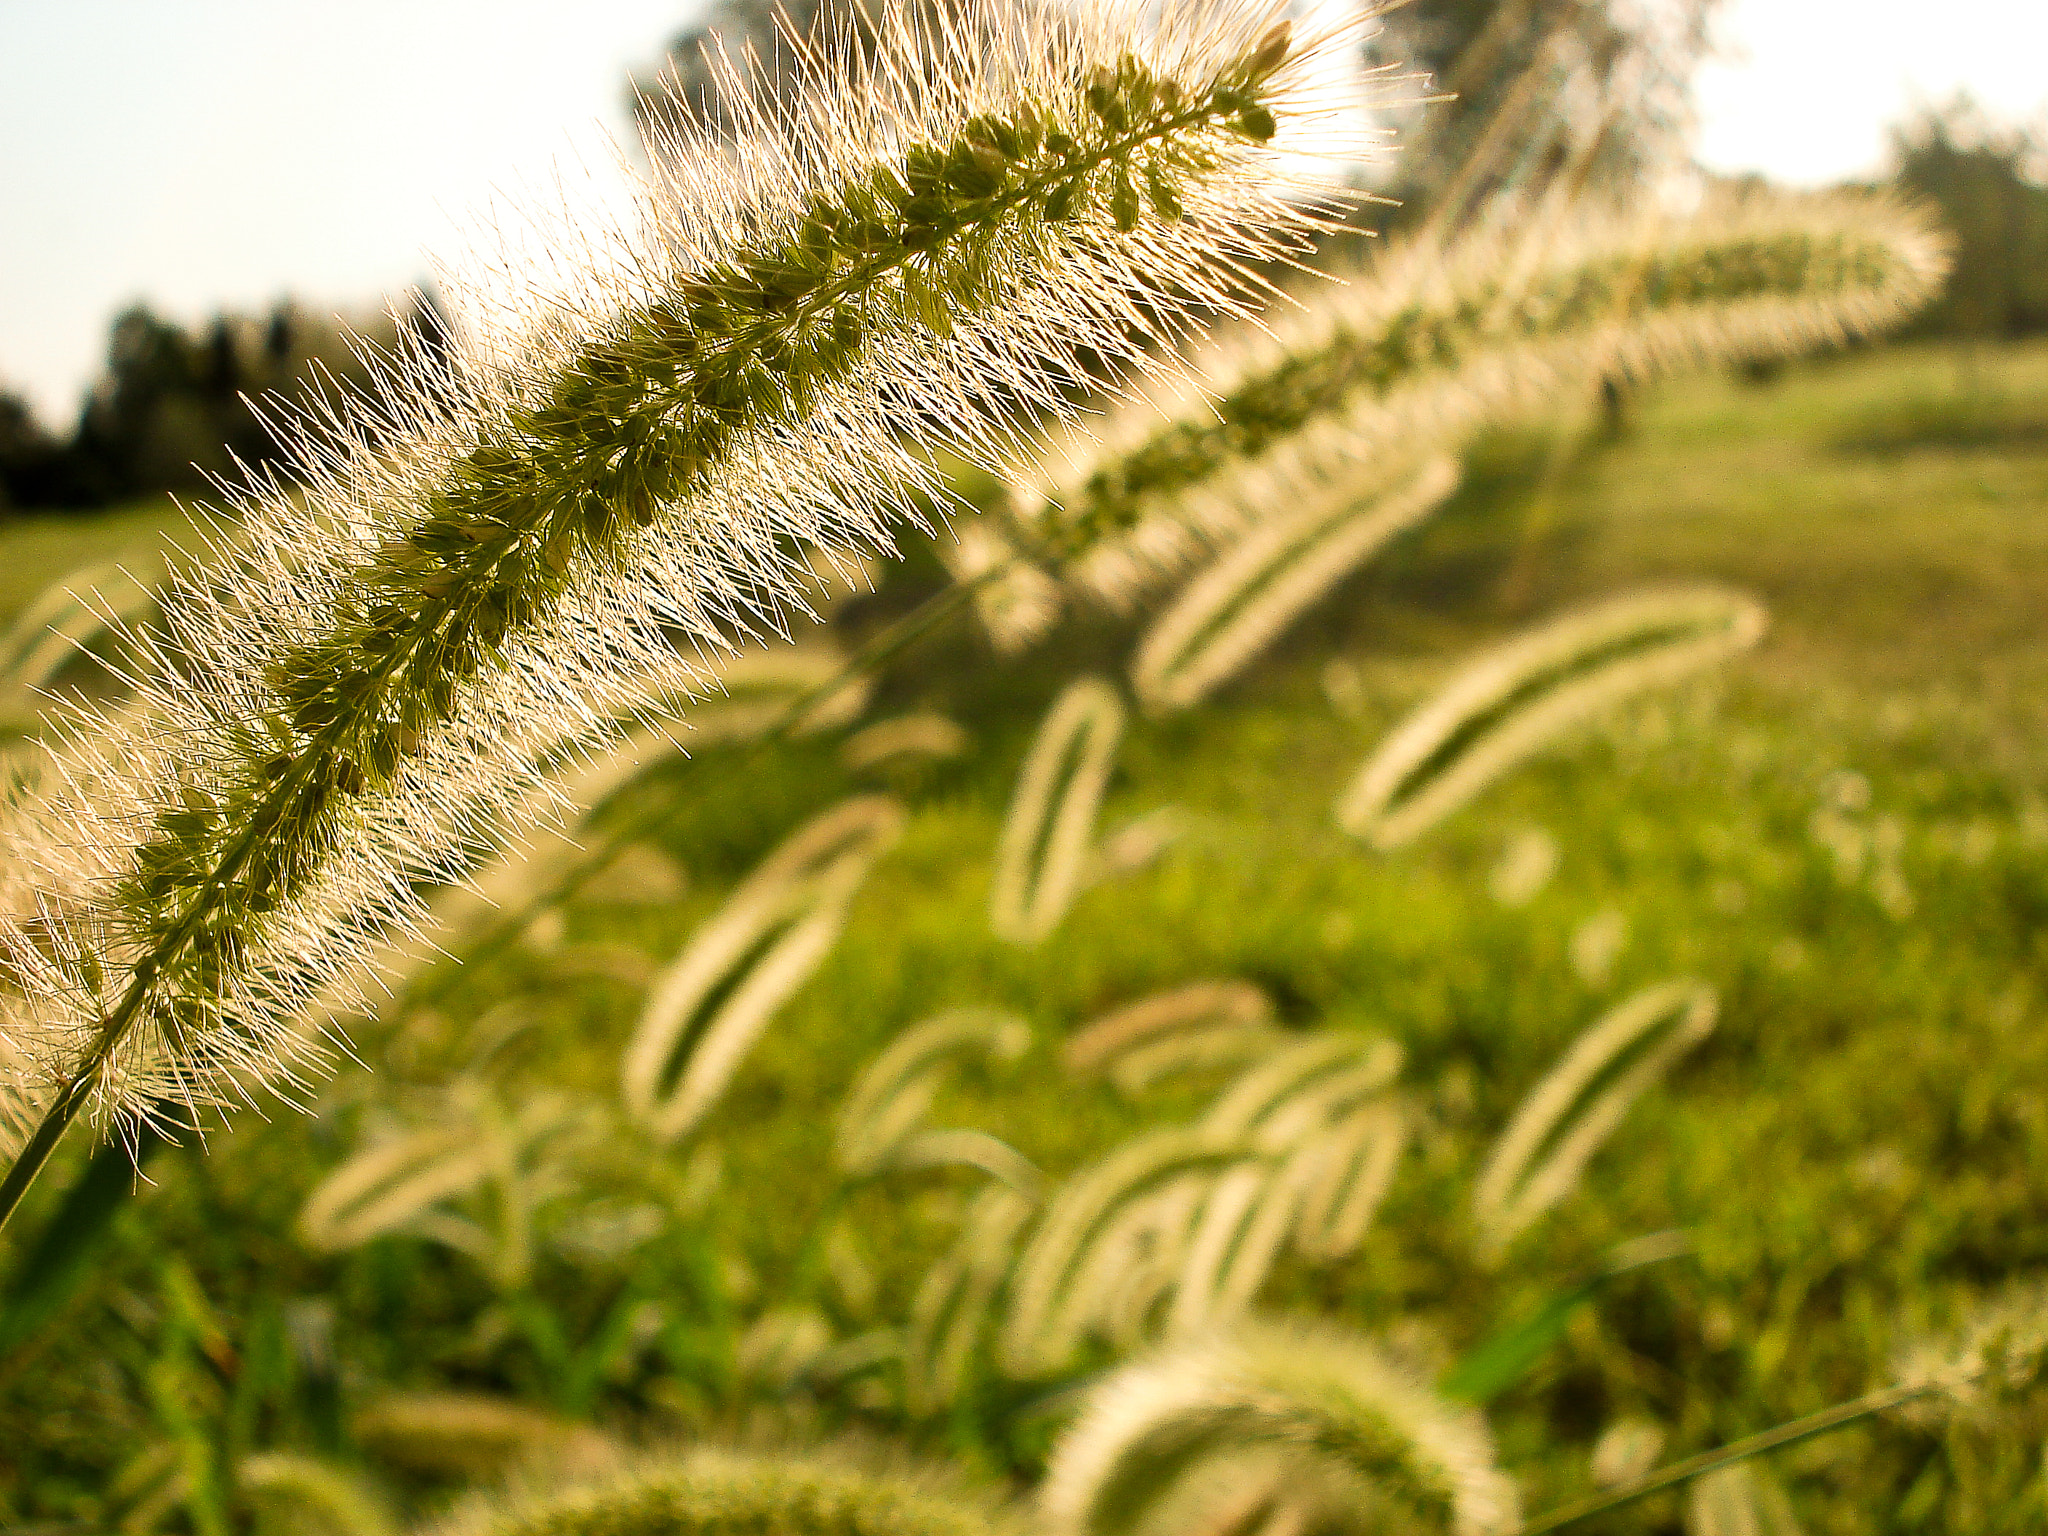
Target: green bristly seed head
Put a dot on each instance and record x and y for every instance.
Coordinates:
(1305, 387)
(912, 259)
(637, 421)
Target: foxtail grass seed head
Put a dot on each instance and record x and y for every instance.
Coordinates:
(472, 1181)
(1263, 1106)
(716, 1493)
(1579, 1103)
(949, 1314)
(888, 1102)
(906, 737)
(1346, 1176)
(287, 1491)
(1626, 1450)
(1245, 1222)
(1049, 1310)
(712, 1003)
(1527, 861)
(780, 1347)
(87, 610)
(963, 1147)
(471, 1436)
(1326, 1399)
(1739, 1500)
(1043, 851)
(1416, 348)
(627, 466)
(1122, 1045)
(1239, 605)
(1125, 1284)
(1516, 698)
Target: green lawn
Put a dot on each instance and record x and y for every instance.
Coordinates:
(39, 549)
(1845, 834)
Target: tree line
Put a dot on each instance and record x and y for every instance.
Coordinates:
(174, 408)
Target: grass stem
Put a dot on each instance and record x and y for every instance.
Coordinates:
(1791, 1433)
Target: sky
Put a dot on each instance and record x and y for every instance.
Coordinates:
(211, 154)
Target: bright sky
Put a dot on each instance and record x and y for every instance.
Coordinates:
(222, 153)
(1806, 88)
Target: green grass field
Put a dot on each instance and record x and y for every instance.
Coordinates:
(1845, 834)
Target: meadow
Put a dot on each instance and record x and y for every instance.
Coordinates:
(1843, 833)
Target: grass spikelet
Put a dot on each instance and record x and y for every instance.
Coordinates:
(1048, 1309)
(621, 465)
(1565, 1117)
(1995, 1357)
(949, 1313)
(715, 1493)
(305, 1496)
(922, 735)
(711, 1004)
(1514, 699)
(1345, 1178)
(965, 1148)
(1204, 1024)
(1421, 346)
(1239, 605)
(1299, 1086)
(1043, 852)
(410, 1184)
(1244, 1222)
(60, 624)
(781, 1345)
(470, 1436)
(895, 1091)
(1739, 1500)
(1321, 1398)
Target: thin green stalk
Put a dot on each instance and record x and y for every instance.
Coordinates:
(1741, 1450)
(36, 1152)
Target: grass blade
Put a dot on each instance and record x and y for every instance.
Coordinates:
(1203, 1025)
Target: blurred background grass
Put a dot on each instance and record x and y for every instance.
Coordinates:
(1846, 833)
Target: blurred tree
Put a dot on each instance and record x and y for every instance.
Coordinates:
(35, 467)
(1586, 96)
(1984, 181)
(142, 429)
(174, 408)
